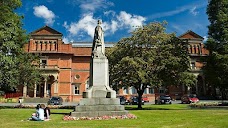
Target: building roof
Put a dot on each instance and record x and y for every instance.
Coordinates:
(46, 30)
(190, 35)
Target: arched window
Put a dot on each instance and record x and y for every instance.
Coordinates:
(194, 49)
(191, 49)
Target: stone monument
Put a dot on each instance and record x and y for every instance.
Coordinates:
(99, 99)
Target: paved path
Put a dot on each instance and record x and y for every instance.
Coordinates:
(14, 104)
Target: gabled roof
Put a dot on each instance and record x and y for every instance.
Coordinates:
(46, 30)
(190, 35)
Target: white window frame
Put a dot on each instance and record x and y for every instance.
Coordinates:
(78, 89)
(87, 84)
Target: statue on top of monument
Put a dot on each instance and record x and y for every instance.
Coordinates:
(98, 48)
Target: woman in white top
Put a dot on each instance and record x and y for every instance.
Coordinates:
(39, 114)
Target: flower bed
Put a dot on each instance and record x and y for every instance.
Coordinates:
(24, 106)
(128, 116)
(212, 105)
(203, 104)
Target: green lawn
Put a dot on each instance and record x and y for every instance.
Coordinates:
(153, 116)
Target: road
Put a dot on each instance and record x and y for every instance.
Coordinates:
(74, 103)
(179, 101)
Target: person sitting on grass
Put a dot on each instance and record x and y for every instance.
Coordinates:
(35, 113)
(47, 113)
(39, 115)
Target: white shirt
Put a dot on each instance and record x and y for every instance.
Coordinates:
(41, 114)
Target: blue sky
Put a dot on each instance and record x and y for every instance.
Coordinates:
(76, 19)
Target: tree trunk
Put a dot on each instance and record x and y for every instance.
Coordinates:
(223, 91)
(140, 93)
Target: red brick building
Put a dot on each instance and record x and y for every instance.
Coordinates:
(196, 51)
(65, 67)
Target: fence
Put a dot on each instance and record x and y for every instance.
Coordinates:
(12, 95)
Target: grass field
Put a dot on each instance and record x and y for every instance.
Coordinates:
(153, 116)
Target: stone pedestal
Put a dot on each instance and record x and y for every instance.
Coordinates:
(94, 107)
(99, 79)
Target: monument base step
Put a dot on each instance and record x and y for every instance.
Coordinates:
(94, 107)
(82, 108)
(100, 101)
(98, 113)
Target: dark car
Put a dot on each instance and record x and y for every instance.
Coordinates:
(55, 100)
(189, 98)
(163, 99)
(134, 100)
(123, 100)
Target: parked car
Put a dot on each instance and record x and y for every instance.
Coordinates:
(145, 99)
(55, 100)
(134, 100)
(190, 98)
(163, 99)
(123, 100)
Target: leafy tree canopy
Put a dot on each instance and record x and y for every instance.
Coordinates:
(217, 11)
(216, 68)
(14, 62)
(150, 57)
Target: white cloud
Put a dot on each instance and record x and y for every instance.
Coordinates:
(91, 5)
(114, 26)
(182, 27)
(191, 7)
(66, 40)
(193, 11)
(178, 28)
(43, 12)
(169, 13)
(110, 12)
(114, 22)
(127, 20)
(86, 25)
(205, 38)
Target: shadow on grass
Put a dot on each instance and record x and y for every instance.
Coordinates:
(129, 108)
(61, 113)
(158, 107)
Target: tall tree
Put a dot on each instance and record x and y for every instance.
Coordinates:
(216, 68)
(150, 57)
(12, 55)
(217, 11)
